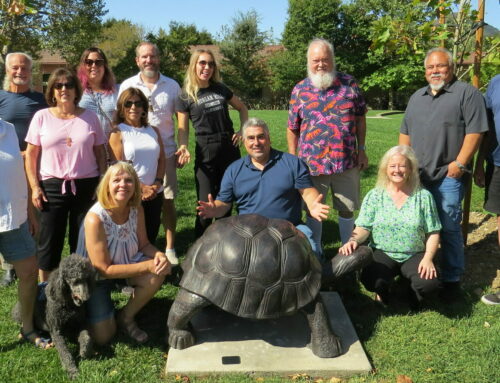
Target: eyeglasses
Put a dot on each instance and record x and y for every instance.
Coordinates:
(98, 62)
(211, 64)
(138, 104)
(67, 85)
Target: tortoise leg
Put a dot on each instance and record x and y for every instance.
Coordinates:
(324, 342)
(344, 264)
(185, 306)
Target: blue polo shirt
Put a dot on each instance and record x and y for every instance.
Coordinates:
(271, 192)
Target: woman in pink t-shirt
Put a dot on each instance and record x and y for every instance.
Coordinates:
(64, 159)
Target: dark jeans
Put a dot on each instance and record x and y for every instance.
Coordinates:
(55, 214)
(214, 153)
(378, 275)
(152, 216)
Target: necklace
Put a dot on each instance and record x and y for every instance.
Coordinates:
(68, 127)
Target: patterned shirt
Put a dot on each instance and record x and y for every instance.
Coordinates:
(326, 120)
(400, 233)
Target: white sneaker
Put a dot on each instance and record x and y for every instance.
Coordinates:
(491, 299)
(172, 258)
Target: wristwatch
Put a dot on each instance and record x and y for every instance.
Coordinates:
(362, 147)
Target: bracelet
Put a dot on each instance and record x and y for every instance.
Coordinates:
(362, 147)
(160, 180)
(461, 167)
(352, 239)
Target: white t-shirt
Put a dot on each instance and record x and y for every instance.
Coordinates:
(162, 102)
(14, 191)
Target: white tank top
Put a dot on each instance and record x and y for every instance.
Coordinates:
(140, 145)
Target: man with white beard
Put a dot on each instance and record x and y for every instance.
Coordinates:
(161, 92)
(444, 122)
(327, 124)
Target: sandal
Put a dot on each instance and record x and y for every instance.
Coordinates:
(34, 338)
(133, 331)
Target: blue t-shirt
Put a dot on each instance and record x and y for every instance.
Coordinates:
(18, 109)
(493, 104)
(271, 192)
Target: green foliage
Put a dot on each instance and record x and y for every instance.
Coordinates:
(244, 69)
(117, 37)
(65, 26)
(73, 26)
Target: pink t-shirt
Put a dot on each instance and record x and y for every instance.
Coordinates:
(67, 146)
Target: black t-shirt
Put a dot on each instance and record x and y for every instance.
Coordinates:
(18, 109)
(210, 114)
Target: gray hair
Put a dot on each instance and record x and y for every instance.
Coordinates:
(142, 43)
(411, 159)
(448, 54)
(6, 81)
(254, 122)
(323, 42)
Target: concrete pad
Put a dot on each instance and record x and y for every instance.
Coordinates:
(228, 344)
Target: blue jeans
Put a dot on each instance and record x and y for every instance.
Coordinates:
(309, 234)
(448, 194)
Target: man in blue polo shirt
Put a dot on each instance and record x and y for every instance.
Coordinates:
(267, 182)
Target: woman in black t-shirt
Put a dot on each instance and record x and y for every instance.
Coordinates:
(204, 99)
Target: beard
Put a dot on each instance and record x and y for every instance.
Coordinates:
(437, 87)
(322, 80)
(150, 73)
(19, 81)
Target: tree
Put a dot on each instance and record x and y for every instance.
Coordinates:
(117, 36)
(65, 26)
(243, 65)
(344, 24)
(405, 30)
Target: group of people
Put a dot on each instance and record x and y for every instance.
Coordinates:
(88, 138)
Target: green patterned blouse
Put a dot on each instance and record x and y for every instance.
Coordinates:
(400, 233)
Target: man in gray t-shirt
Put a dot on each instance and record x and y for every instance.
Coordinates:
(444, 122)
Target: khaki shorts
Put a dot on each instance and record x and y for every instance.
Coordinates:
(170, 180)
(344, 187)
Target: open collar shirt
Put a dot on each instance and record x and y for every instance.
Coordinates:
(326, 121)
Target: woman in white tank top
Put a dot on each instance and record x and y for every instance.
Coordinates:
(133, 140)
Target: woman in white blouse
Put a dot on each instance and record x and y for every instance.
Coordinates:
(114, 238)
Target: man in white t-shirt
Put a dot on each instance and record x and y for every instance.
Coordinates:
(161, 92)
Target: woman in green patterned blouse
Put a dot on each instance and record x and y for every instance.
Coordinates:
(401, 222)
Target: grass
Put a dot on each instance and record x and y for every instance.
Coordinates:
(453, 343)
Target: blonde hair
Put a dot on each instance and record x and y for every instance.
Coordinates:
(103, 195)
(191, 81)
(411, 161)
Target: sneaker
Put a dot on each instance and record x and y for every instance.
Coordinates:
(491, 299)
(172, 257)
(9, 277)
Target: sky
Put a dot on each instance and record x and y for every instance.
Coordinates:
(212, 15)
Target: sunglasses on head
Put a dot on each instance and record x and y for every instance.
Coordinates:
(128, 104)
(211, 64)
(98, 62)
(67, 85)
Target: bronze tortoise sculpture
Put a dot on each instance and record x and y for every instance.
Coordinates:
(255, 267)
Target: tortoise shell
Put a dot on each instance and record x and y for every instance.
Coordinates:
(253, 267)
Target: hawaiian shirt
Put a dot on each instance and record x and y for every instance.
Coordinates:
(326, 120)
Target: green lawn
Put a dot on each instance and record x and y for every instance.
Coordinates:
(458, 343)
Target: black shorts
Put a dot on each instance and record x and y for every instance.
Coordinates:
(492, 203)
